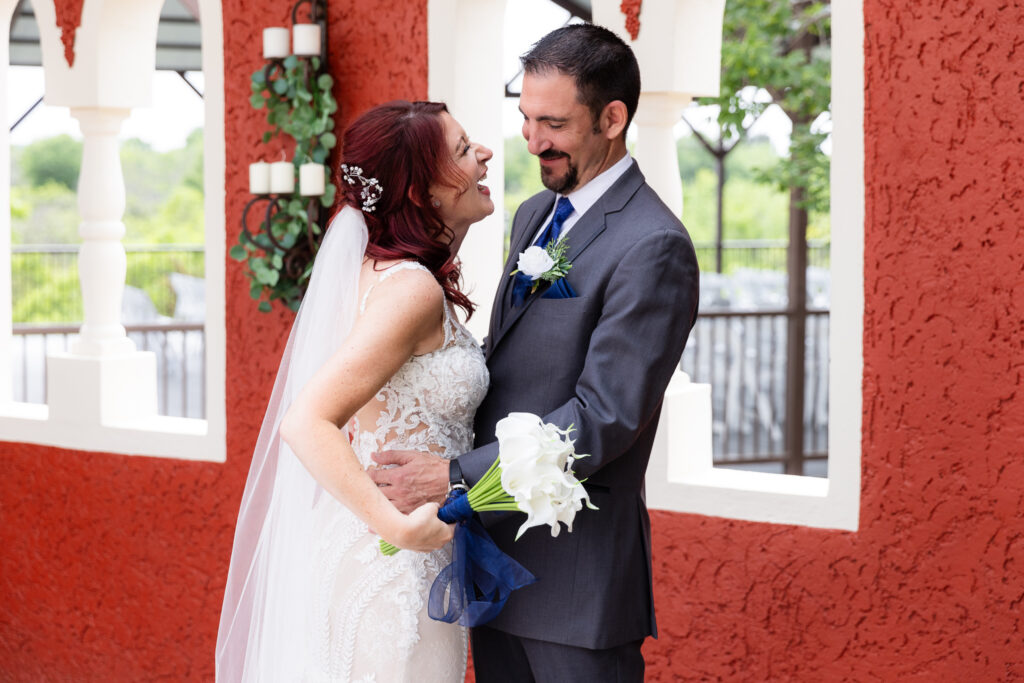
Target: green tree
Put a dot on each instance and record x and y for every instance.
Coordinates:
(782, 48)
(522, 178)
(55, 159)
(777, 52)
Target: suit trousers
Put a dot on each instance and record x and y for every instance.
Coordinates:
(500, 657)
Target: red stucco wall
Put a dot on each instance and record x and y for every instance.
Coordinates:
(112, 568)
(69, 16)
(931, 586)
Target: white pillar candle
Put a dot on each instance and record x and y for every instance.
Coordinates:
(259, 177)
(311, 180)
(306, 39)
(282, 177)
(275, 42)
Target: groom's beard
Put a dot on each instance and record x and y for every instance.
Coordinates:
(561, 184)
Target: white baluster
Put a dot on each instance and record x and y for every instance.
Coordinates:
(103, 380)
(101, 259)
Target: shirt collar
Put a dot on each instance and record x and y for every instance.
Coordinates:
(586, 196)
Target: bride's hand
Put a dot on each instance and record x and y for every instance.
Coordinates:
(422, 531)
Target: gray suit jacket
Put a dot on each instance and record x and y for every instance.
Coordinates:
(600, 361)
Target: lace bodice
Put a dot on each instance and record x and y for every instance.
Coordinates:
(371, 622)
(430, 402)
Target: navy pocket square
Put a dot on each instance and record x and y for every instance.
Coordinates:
(559, 289)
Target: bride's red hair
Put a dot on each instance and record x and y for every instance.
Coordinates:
(402, 145)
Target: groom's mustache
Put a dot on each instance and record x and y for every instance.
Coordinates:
(552, 154)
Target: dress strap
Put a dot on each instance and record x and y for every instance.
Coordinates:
(388, 272)
(448, 325)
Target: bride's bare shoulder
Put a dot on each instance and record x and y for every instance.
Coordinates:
(400, 282)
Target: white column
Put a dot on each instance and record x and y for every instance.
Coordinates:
(101, 258)
(678, 48)
(6, 351)
(655, 119)
(466, 73)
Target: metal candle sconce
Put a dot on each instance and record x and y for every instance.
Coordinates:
(288, 252)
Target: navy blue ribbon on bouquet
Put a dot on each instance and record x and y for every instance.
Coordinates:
(480, 577)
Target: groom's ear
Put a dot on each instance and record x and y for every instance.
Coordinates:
(613, 119)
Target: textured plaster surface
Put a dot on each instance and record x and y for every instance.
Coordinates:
(69, 18)
(112, 568)
(631, 8)
(931, 586)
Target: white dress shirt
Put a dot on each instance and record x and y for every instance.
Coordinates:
(585, 197)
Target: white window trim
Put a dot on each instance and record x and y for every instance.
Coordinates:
(182, 438)
(684, 480)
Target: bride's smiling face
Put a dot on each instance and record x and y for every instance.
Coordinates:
(462, 206)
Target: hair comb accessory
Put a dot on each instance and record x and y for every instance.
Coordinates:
(372, 190)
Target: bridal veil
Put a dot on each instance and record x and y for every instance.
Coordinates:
(267, 599)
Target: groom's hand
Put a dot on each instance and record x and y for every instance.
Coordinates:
(413, 478)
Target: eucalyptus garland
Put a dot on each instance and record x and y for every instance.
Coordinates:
(279, 256)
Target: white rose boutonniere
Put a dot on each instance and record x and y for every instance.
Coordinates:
(534, 262)
(548, 264)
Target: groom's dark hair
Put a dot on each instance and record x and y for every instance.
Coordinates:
(602, 65)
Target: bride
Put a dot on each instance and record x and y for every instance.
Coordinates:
(376, 361)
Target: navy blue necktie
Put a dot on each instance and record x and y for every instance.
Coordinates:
(523, 283)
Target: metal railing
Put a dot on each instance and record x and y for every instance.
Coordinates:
(742, 355)
(45, 276)
(758, 255)
(180, 349)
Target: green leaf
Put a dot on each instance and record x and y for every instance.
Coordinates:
(264, 307)
(328, 140)
(238, 253)
(324, 82)
(257, 101)
(259, 77)
(280, 86)
(320, 155)
(327, 198)
(266, 137)
(290, 62)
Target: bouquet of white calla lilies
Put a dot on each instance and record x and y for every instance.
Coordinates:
(533, 474)
(536, 461)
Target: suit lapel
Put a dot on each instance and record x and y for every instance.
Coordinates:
(518, 241)
(581, 236)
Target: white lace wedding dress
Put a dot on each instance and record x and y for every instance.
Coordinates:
(371, 622)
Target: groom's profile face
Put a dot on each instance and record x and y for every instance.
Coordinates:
(560, 131)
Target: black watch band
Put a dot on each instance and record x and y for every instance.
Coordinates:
(455, 473)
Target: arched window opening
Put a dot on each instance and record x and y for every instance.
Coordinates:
(170, 164)
(162, 160)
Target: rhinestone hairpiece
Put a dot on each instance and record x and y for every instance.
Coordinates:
(372, 190)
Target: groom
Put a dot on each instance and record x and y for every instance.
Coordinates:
(596, 351)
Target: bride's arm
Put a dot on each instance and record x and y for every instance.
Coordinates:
(403, 318)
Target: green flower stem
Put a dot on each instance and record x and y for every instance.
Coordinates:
(498, 507)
